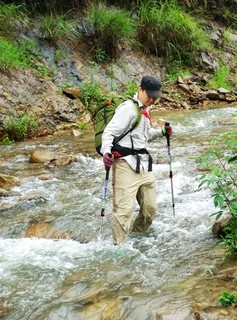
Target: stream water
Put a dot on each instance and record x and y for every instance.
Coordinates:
(86, 277)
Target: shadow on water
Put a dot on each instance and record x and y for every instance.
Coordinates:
(86, 277)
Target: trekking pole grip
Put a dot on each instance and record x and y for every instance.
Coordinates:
(167, 135)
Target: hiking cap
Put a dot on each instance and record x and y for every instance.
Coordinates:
(152, 85)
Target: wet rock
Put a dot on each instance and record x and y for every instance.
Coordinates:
(185, 314)
(8, 205)
(33, 196)
(7, 181)
(3, 311)
(218, 226)
(3, 193)
(42, 156)
(44, 230)
(45, 156)
(65, 160)
(44, 177)
(8, 193)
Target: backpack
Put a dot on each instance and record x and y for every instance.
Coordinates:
(104, 114)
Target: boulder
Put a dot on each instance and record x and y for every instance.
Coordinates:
(44, 230)
(7, 181)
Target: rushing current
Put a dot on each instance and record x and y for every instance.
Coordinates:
(86, 277)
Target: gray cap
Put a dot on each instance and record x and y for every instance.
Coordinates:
(152, 85)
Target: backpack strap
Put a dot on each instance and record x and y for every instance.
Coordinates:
(116, 140)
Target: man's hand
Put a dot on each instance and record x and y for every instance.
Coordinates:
(167, 130)
(108, 159)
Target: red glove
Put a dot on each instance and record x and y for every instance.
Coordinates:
(108, 159)
(167, 130)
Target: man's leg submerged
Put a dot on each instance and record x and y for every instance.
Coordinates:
(125, 186)
(146, 197)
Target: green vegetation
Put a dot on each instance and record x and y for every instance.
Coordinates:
(227, 298)
(174, 71)
(81, 126)
(9, 15)
(229, 240)
(11, 55)
(170, 32)
(92, 95)
(108, 26)
(167, 29)
(221, 176)
(220, 79)
(219, 162)
(58, 27)
(18, 128)
(131, 88)
(21, 54)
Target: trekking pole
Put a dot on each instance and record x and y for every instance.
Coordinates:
(104, 200)
(171, 174)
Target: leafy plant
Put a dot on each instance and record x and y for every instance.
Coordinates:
(131, 88)
(101, 56)
(18, 128)
(92, 95)
(221, 178)
(7, 141)
(227, 298)
(230, 238)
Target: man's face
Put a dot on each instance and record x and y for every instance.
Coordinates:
(144, 98)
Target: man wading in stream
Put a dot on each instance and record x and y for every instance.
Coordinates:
(131, 163)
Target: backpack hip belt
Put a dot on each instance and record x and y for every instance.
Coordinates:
(119, 151)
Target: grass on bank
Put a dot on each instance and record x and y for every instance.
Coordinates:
(12, 55)
(104, 28)
(169, 32)
(220, 79)
(58, 27)
(10, 15)
(19, 128)
(21, 54)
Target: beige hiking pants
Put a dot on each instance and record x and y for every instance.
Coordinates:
(127, 187)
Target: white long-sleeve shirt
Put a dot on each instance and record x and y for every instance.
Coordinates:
(123, 119)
